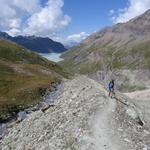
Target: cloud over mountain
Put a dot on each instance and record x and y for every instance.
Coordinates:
(77, 37)
(30, 17)
(133, 9)
(72, 39)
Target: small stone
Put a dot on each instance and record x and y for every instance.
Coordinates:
(127, 140)
(146, 132)
(27, 147)
(74, 96)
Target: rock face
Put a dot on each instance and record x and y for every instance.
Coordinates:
(83, 118)
(37, 44)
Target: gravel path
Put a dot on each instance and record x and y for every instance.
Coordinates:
(84, 118)
(102, 127)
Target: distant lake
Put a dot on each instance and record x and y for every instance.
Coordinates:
(52, 56)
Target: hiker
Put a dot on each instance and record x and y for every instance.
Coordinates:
(111, 88)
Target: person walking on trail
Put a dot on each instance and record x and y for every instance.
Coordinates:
(111, 88)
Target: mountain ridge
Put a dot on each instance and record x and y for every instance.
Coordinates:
(114, 51)
(34, 43)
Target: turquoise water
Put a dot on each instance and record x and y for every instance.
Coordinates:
(52, 56)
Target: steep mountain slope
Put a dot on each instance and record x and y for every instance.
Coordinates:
(84, 118)
(124, 46)
(38, 44)
(24, 77)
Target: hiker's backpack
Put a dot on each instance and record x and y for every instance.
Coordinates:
(111, 85)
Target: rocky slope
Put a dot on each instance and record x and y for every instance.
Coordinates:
(83, 118)
(24, 78)
(121, 49)
(142, 98)
(37, 44)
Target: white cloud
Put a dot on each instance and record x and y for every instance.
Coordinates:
(77, 38)
(14, 31)
(15, 23)
(48, 20)
(111, 12)
(29, 17)
(134, 8)
(12, 12)
(72, 39)
(29, 6)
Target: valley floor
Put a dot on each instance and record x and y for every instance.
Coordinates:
(84, 118)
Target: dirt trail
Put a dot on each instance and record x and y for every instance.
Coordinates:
(104, 133)
(102, 129)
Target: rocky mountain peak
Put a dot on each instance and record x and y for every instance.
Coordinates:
(35, 43)
(135, 28)
(4, 35)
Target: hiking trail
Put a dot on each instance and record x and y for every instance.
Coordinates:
(83, 118)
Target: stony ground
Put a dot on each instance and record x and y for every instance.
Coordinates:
(142, 99)
(83, 118)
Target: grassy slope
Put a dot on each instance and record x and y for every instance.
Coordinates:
(24, 76)
(77, 60)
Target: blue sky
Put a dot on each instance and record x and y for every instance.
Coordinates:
(90, 15)
(66, 20)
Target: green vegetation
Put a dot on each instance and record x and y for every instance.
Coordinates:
(90, 68)
(92, 58)
(133, 58)
(15, 53)
(127, 87)
(24, 78)
(141, 54)
(78, 59)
